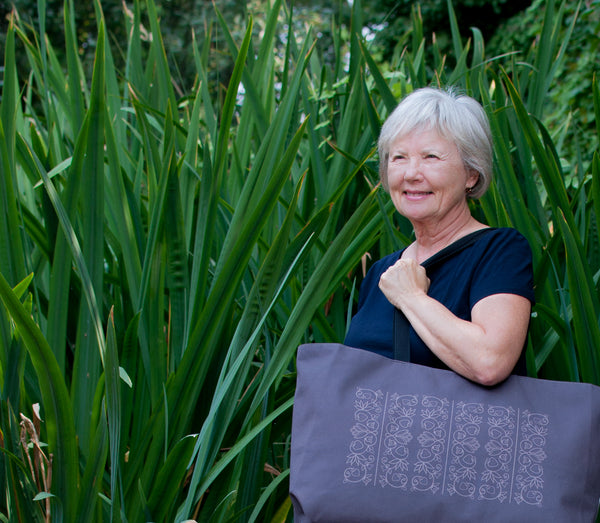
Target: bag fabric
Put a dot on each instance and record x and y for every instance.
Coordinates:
(379, 440)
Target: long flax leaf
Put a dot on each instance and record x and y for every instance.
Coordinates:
(260, 178)
(134, 71)
(208, 198)
(370, 109)
(262, 500)
(74, 75)
(362, 242)
(191, 157)
(153, 269)
(316, 136)
(158, 67)
(546, 59)
(12, 258)
(559, 332)
(459, 74)
(564, 359)
(596, 93)
(454, 30)
(113, 396)
(12, 255)
(258, 81)
(91, 484)
(520, 150)
(229, 104)
(58, 414)
(267, 157)
(351, 137)
(549, 171)
(170, 479)
(281, 516)
(210, 114)
(178, 279)
(120, 213)
(382, 86)
(75, 251)
(90, 351)
(61, 267)
(269, 276)
(585, 309)
(506, 179)
(476, 76)
(595, 189)
(356, 25)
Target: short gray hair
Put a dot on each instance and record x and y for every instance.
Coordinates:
(456, 117)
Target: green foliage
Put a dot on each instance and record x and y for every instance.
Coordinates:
(569, 113)
(391, 18)
(162, 254)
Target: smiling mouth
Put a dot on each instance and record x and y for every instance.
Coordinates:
(417, 193)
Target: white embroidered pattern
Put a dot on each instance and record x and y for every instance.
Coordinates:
(396, 436)
(430, 463)
(462, 472)
(430, 444)
(495, 478)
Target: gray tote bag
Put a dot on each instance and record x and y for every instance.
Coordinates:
(380, 440)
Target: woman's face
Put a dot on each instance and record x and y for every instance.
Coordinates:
(427, 178)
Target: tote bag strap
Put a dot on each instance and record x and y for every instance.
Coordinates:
(401, 325)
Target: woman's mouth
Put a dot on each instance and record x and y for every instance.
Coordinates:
(416, 195)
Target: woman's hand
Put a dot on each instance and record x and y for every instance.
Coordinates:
(403, 280)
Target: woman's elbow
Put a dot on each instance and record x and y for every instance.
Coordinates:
(493, 371)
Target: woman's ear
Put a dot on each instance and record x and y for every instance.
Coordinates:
(472, 180)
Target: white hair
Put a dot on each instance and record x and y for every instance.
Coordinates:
(458, 118)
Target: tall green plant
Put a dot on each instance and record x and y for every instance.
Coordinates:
(180, 249)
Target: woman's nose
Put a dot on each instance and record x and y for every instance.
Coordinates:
(413, 169)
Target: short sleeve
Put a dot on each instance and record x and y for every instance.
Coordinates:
(504, 267)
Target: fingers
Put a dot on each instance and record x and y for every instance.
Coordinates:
(409, 272)
(404, 278)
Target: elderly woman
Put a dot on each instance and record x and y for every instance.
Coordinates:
(471, 312)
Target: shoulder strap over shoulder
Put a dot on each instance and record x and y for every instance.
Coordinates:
(456, 247)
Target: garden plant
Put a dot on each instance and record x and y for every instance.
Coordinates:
(163, 253)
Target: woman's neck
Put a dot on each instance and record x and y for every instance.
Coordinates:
(432, 238)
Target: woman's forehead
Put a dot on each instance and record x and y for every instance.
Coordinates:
(423, 134)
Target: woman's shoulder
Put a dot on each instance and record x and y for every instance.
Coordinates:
(507, 237)
(508, 232)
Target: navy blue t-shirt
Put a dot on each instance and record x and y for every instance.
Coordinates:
(498, 262)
